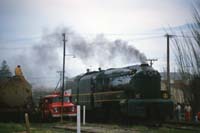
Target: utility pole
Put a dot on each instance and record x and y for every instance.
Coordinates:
(151, 61)
(63, 78)
(168, 64)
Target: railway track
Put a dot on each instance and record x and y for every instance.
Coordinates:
(191, 126)
(170, 126)
(133, 127)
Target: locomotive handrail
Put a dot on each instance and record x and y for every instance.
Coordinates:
(108, 92)
(102, 100)
(99, 93)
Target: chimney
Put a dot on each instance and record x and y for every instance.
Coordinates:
(88, 70)
(99, 69)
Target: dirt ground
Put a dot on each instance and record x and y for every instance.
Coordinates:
(70, 127)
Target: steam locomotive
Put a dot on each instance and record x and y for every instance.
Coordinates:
(131, 92)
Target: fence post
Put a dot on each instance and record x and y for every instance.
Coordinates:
(27, 123)
(83, 114)
(78, 119)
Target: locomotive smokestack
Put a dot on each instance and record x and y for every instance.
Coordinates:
(100, 69)
(88, 70)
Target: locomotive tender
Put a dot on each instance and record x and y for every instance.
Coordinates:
(133, 91)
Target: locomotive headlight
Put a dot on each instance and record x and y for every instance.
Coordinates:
(165, 96)
(56, 110)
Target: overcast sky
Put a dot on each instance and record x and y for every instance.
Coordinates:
(140, 23)
(91, 16)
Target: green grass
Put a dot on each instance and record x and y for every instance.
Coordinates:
(45, 128)
(48, 128)
(35, 128)
(11, 127)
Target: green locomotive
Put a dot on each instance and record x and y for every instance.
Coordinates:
(133, 91)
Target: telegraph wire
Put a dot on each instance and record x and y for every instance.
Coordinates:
(90, 34)
(145, 38)
(135, 38)
(122, 34)
(134, 35)
(42, 77)
(27, 47)
(183, 36)
(20, 39)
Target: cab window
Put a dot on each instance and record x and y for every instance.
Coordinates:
(56, 99)
(66, 99)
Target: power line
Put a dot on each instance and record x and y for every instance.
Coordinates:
(92, 34)
(20, 39)
(27, 47)
(132, 39)
(122, 34)
(31, 46)
(145, 38)
(184, 36)
(42, 77)
(14, 48)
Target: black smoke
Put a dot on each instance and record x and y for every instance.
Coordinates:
(44, 58)
(104, 52)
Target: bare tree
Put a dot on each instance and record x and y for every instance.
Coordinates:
(188, 59)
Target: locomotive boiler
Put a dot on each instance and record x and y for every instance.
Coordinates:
(133, 91)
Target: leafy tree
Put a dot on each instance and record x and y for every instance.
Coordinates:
(5, 71)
